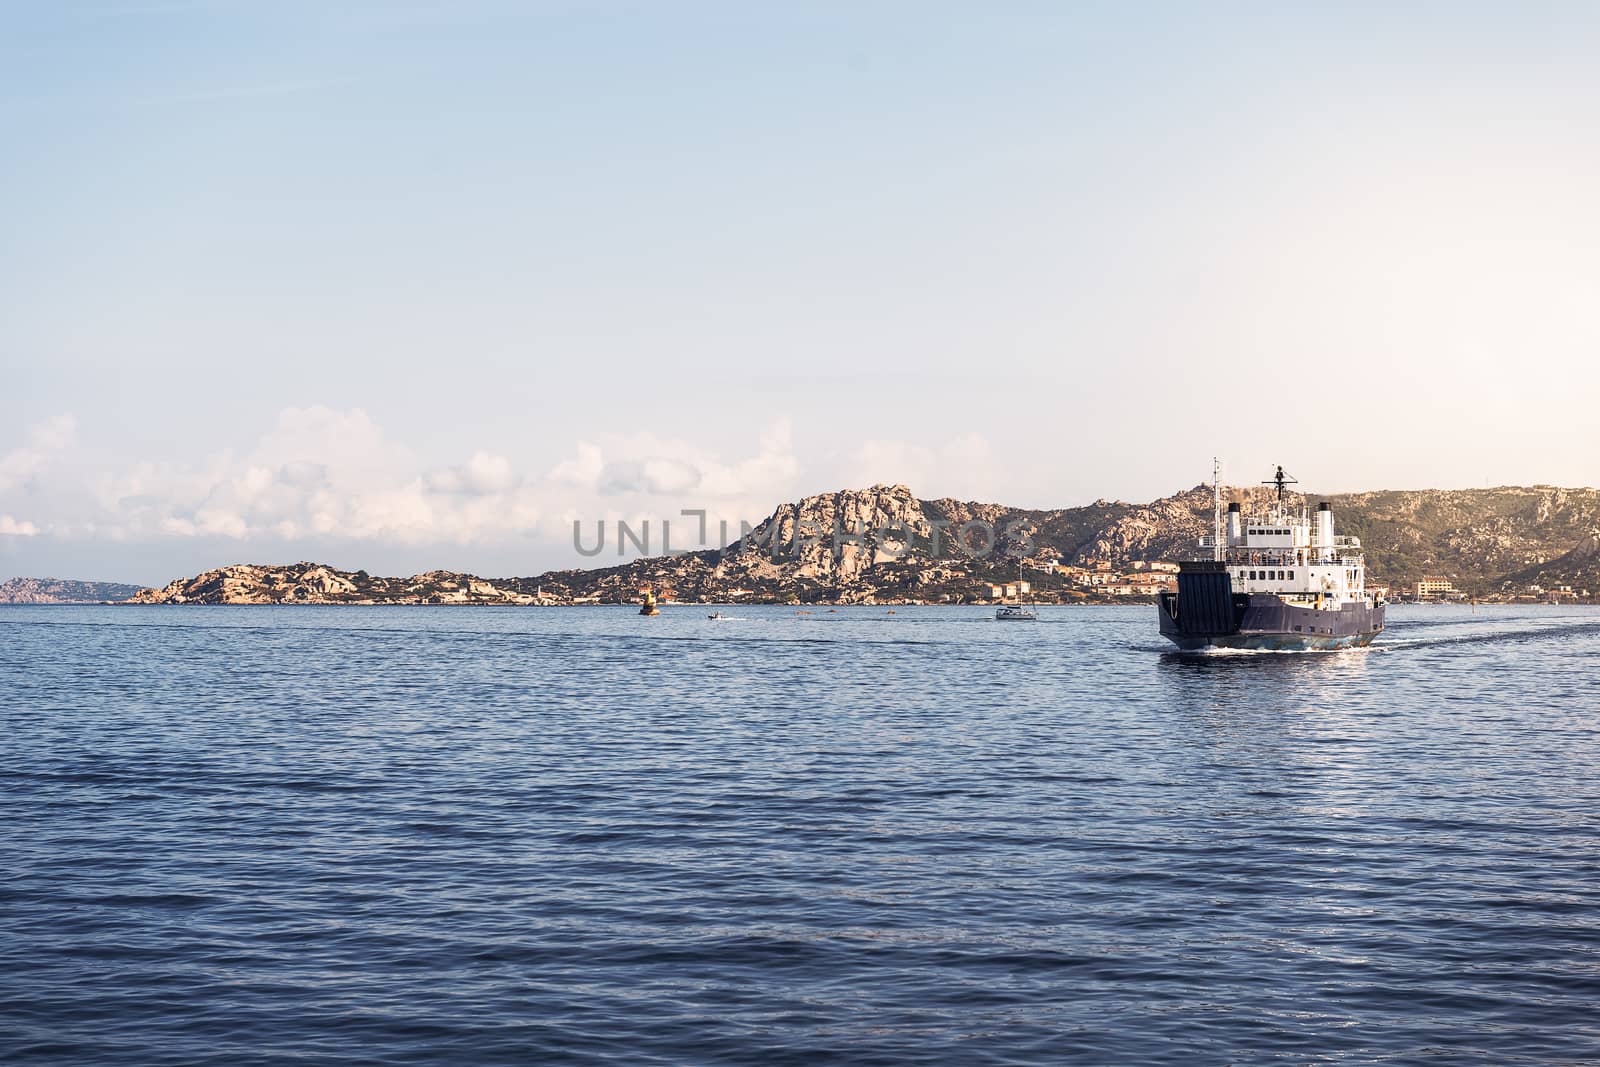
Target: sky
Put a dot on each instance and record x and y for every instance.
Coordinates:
(413, 285)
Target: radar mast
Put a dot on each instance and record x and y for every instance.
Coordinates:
(1282, 481)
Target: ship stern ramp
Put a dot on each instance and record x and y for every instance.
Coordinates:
(1205, 606)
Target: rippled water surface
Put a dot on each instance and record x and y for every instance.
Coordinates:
(390, 835)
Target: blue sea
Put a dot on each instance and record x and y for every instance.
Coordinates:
(542, 836)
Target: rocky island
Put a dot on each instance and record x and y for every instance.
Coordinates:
(318, 583)
(63, 591)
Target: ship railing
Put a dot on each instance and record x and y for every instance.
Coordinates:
(1244, 558)
(1209, 541)
(1263, 559)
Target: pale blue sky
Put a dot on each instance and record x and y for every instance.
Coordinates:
(411, 285)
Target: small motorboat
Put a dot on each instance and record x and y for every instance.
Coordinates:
(716, 615)
(648, 605)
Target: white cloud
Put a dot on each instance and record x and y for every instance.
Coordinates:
(639, 478)
(962, 466)
(774, 467)
(303, 475)
(10, 527)
(220, 523)
(55, 434)
(21, 465)
(660, 474)
(347, 445)
(583, 469)
(329, 475)
(483, 473)
(334, 475)
(644, 464)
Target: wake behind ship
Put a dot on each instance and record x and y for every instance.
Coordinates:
(1273, 582)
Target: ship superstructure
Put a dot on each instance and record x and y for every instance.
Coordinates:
(1279, 580)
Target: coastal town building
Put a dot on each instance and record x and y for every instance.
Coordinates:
(1433, 586)
(1096, 584)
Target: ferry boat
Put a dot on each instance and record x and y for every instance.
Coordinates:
(1278, 581)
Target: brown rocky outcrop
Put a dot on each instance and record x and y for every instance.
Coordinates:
(834, 538)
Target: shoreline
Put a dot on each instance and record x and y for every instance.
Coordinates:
(832, 604)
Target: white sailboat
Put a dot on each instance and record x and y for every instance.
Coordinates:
(1017, 612)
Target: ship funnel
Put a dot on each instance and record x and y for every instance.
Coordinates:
(1325, 524)
(1235, 534)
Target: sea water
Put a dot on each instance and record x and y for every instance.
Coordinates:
(793, 836)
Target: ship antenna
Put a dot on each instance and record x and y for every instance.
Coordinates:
(1280, 480)
(1216, 508)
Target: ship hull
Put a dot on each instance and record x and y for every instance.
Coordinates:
(1206, 613)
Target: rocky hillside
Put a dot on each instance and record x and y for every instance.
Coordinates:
(793, 555)
(316, 583)
(63, 591)
(1484, 539)
(885, 544)
(1480, 537)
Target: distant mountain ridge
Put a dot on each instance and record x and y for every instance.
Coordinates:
(63, 591)
(898, 547)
